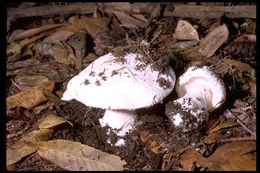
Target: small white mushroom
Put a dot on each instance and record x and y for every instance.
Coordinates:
(199, 91)
(120, 85)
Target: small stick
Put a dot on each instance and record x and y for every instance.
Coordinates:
(242, 124)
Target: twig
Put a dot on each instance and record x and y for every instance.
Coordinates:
(246, 138)
(34, 31)
(16, 85)
(242, 124)
(155, 37)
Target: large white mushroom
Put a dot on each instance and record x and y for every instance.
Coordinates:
(199, 91)
(120, 85)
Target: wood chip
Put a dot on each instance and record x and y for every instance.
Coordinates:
(213, 41)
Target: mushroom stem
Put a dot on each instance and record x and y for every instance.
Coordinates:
(196, 97)
(190, 110)
(121, 121)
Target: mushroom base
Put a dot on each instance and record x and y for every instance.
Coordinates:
(121, 122)
(186, 119)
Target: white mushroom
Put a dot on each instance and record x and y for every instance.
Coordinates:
(121, 84)
(199, 91)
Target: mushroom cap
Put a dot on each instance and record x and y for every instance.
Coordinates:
(202, 79)
(124, 82)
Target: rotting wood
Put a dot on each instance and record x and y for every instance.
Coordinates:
(190, 11)
(211, 12)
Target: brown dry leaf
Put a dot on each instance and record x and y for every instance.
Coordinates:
(34, 31)
(62, 53)
(144, 136)
(151, 141)
(26, 81)
(75, 156)
(90, 24)
(51, 121)
(252, 87)
(20, 149)
(89, 58)
(95, 25)
(11, 36)
(128, 21)
(58, 36)
(185, 31)
(212, 123)
(185, 44)
(243, 67)
(189, 157)
(13, 49)
(213, 41)
(232, 156)
(229, 123)
(31, 97)
(212, 137)
(240, 67)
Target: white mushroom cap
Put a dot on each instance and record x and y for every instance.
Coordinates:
(120, 83)
(200, 91)
(197, 80)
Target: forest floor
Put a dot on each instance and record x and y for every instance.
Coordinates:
(49, 43)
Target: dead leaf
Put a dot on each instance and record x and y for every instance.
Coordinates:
(189, 157)
(95, 25)
(20, 149)
(185, 44)
(58, 36)
(243, 67)
(144, 136)
(152, 141)
(26, 81)
(128, 21)
(185, 31)
(213, 41)
(11, 36)
(252, 87)
(90, 24)
(51, 121)
(13, 49)
(31, 97)
(229, 123)
(89, 58)
(75, 156)
(212, 137)
(62, 53)
(212, 123)
(34, 31)
(232, 156)
(21, 64)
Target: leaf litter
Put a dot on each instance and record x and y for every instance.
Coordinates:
(68, 43)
